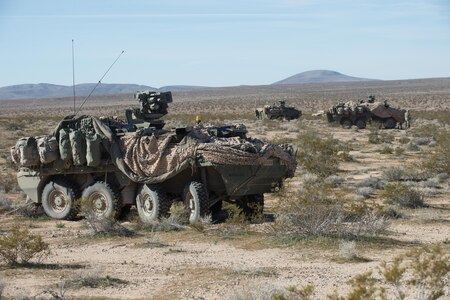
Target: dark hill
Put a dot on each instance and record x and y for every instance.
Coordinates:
(320, 76)
(46, 90)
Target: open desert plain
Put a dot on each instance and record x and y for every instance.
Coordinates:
(366, 216)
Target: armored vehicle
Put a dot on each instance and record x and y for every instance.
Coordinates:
(108, 165)
(278, 112)
(350, 113)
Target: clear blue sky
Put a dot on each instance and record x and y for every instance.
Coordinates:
(221, 43)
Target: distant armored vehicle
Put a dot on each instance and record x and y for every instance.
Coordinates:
(349, 114)
(278, 112)
(109, 165)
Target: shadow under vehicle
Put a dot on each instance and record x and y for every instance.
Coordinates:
(109, 165)
(278, 112)
(349, 114)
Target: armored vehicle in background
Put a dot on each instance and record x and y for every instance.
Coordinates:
(108, 165)
(278, 112)
(349, 114)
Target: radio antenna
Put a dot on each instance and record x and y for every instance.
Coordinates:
(73, 78)
(98, 83)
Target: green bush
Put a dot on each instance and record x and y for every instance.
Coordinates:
(377, 137)
(424, 270)
(318, 154)
(20, 246)
(439, 161)
(403, 195)
(386, 150)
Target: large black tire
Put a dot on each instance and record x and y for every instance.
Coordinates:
(101, 199)
(152, 203)
(346, 123)
(59, 199)
(389, 123)
(361, 124)
(195, 197)
(252, 205)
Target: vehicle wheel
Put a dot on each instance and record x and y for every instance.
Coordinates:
(196, 199)
(361, 124)
(152, 203)
(252, 205)
(59, 198)
(389, 123)
(102, 200)
(346, 123)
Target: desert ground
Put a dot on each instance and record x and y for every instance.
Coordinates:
(266, 257)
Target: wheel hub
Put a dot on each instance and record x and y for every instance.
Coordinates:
(99, 203)
(57, 201)
(147, 204)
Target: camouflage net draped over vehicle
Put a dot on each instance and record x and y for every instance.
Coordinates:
(153, 156)
(156, 157)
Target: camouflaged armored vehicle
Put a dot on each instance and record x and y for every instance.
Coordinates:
(359, 114)
(109, 165)
(278, 112)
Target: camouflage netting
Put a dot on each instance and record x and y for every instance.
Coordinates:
(384, 112)
(155, 157)
(147, 157)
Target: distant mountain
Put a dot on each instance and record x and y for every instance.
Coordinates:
(46, 90)
(320, 76)
(181, 87)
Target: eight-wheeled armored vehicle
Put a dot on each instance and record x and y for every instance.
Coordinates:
(278, 112)
(109, 165)
(349, 114)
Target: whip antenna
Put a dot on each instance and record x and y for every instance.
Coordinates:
(73, 78)
(98, 83)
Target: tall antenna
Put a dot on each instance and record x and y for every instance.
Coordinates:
(98, 83)
(73, 78)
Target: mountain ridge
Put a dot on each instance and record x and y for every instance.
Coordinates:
(320, 76)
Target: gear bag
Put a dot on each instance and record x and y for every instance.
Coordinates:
(27, 152)
(78, 143)
(48, 149)
(93, 150)
(65, 150)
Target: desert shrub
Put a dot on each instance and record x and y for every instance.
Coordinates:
(404, 140)
(101, 226)
(438, 161)
(347, 250)
(426, 131)
(294, 293)
(315, 210)
(377, 137)
(386, 150)
(422, 141)
(394, 174)
(364, 191)
(176, 221)
(19, 246)
(413, 147)
(318, 154)
(403, 196)
(8, 183)
(399, 151)
(334, 180)
(421, 273)
(373, 182)
(93, 280)
(312, 210)
(5, 203)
